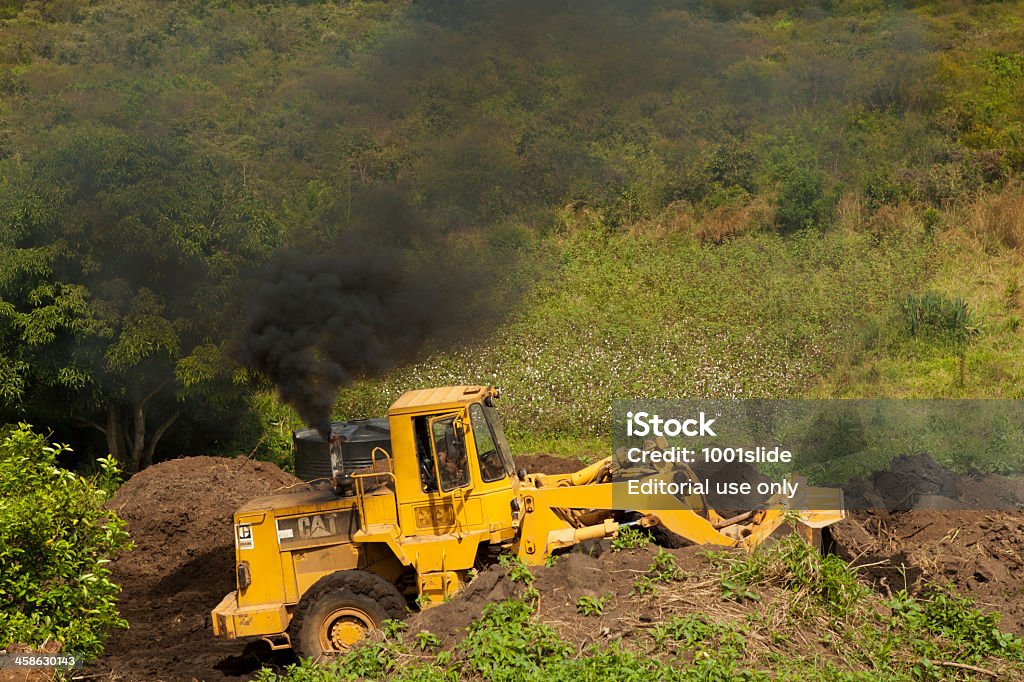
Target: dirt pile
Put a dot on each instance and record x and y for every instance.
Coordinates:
(918, 522)
(179, 514)
(548, 464)
(980, 553)
(919, 482)
(600, 574)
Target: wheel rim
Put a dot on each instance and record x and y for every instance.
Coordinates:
(344, 627)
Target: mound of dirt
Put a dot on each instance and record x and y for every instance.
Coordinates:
(991, 492)
(179, 514)
(981, 553)
(548, 464)
(918, 522)
(603, 574)
(919, 482)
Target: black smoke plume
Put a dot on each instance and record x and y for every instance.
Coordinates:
(318, 322)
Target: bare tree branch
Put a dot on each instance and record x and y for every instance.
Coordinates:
(158, 434)
(89, 422)
(151, 394)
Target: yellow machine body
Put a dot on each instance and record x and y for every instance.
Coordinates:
(422, 522)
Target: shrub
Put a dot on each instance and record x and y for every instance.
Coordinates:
(630, 538)
(804, 201)
(935, 315)
(55, 542)
(506, 643)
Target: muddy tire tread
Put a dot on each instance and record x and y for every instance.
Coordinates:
(356, 582)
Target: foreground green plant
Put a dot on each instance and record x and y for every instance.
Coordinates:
(56, 540)
(663, 569)
(590, 605)
(517, 570)
(960, 627)
(507, 644)
(695, 630)
(630, 538)
(821, 581)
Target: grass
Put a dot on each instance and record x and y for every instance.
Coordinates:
(817, 621)
(642, 315)
(975, 258)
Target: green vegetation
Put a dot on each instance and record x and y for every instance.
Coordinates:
(630, 537)
(696, 631)
(636, 316)
(825, 581)
(113, 283)
(808, 598)
(517, 570)
(718, 198)
(663, 569)
(506, 643)
(970, 632)
(426, 640)
(589, 605)
(56, 539)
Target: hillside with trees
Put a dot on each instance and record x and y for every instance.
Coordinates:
(692, 198)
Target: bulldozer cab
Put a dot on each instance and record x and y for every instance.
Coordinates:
(461, 478)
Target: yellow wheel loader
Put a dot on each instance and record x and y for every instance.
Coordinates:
(419, 500)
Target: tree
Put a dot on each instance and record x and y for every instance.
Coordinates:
(804, 200)
(119, 255)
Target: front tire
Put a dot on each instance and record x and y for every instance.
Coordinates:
(341, 609)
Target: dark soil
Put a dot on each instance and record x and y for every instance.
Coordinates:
(919, 482)
(980, 553)
(918, 523)
(179, 514)
(548, 464)
(599, 573)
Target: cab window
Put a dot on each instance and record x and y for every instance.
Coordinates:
(424, 454)
(450, 450)
(492, 468)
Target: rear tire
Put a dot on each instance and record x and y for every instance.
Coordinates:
(341, 609)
